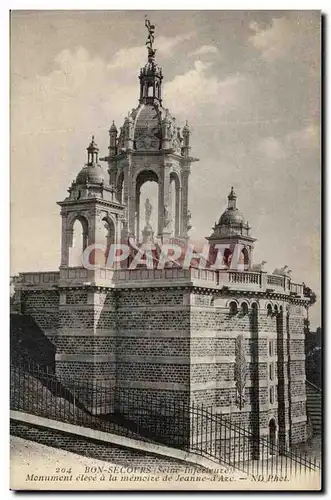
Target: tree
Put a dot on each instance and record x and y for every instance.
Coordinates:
(307, 292)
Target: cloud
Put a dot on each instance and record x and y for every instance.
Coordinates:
(83, 90)
(205, 49)
(287, 38)
(128, 58)
(272, 148)
(294, 142)
(305, 138)
(199, 86)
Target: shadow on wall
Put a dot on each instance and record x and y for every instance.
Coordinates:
(28, 342)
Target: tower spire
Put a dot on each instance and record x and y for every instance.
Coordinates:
(151, 74)
(92, 152)
(232, 199)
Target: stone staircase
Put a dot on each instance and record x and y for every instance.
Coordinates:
(314, 406)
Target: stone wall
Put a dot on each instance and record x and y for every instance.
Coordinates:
(179, 344)
(43, 306)
(153, 343)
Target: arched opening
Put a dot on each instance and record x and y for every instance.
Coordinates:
(254, 308)
(233, 308)
(244, 308)
(272, 436)
(108, 235)
(175, 203)
(150, 91)
(77, 241)
(147, 188)
(244, 259)
(119, 187)
(275, 309)
(227, 256)
(269, 309)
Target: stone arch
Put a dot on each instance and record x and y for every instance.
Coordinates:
(227, 257)
(244, 307)
(146, 174)
(141, 177)
(269, 308)
(77, 239)
(109, 233)
(232, 300)
(254, 309)
(244, 258)
(233, 306)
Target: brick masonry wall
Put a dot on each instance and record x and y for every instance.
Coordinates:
(166, 338)
(298, 432)
(66, 344)
(89, 371)
(297, 374)
(43, 306)
(153, 372)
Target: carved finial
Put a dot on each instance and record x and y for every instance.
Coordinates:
(232, 198)
(92, 150)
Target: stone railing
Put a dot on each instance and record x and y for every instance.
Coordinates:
(73, 273)
(208, 275)
(296, 288)
(125, 275)
(232, 279)
(274, 280)
(83, 276)
(244, 277)
(41, 279)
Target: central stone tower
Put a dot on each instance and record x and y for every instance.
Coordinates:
(150, 147)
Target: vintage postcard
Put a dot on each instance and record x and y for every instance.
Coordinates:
(165, 250)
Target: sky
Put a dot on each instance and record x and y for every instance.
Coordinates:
(248, 82)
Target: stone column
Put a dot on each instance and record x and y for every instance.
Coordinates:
(65, 239)
(160, 208)
(184, 202)
(125, 201)
(138, 214)
(165, 209)
(177, 211)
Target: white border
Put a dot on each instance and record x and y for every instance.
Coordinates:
(4, 200)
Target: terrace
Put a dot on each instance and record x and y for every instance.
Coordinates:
(122, 278)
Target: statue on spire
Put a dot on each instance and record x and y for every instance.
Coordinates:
(150, 39)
